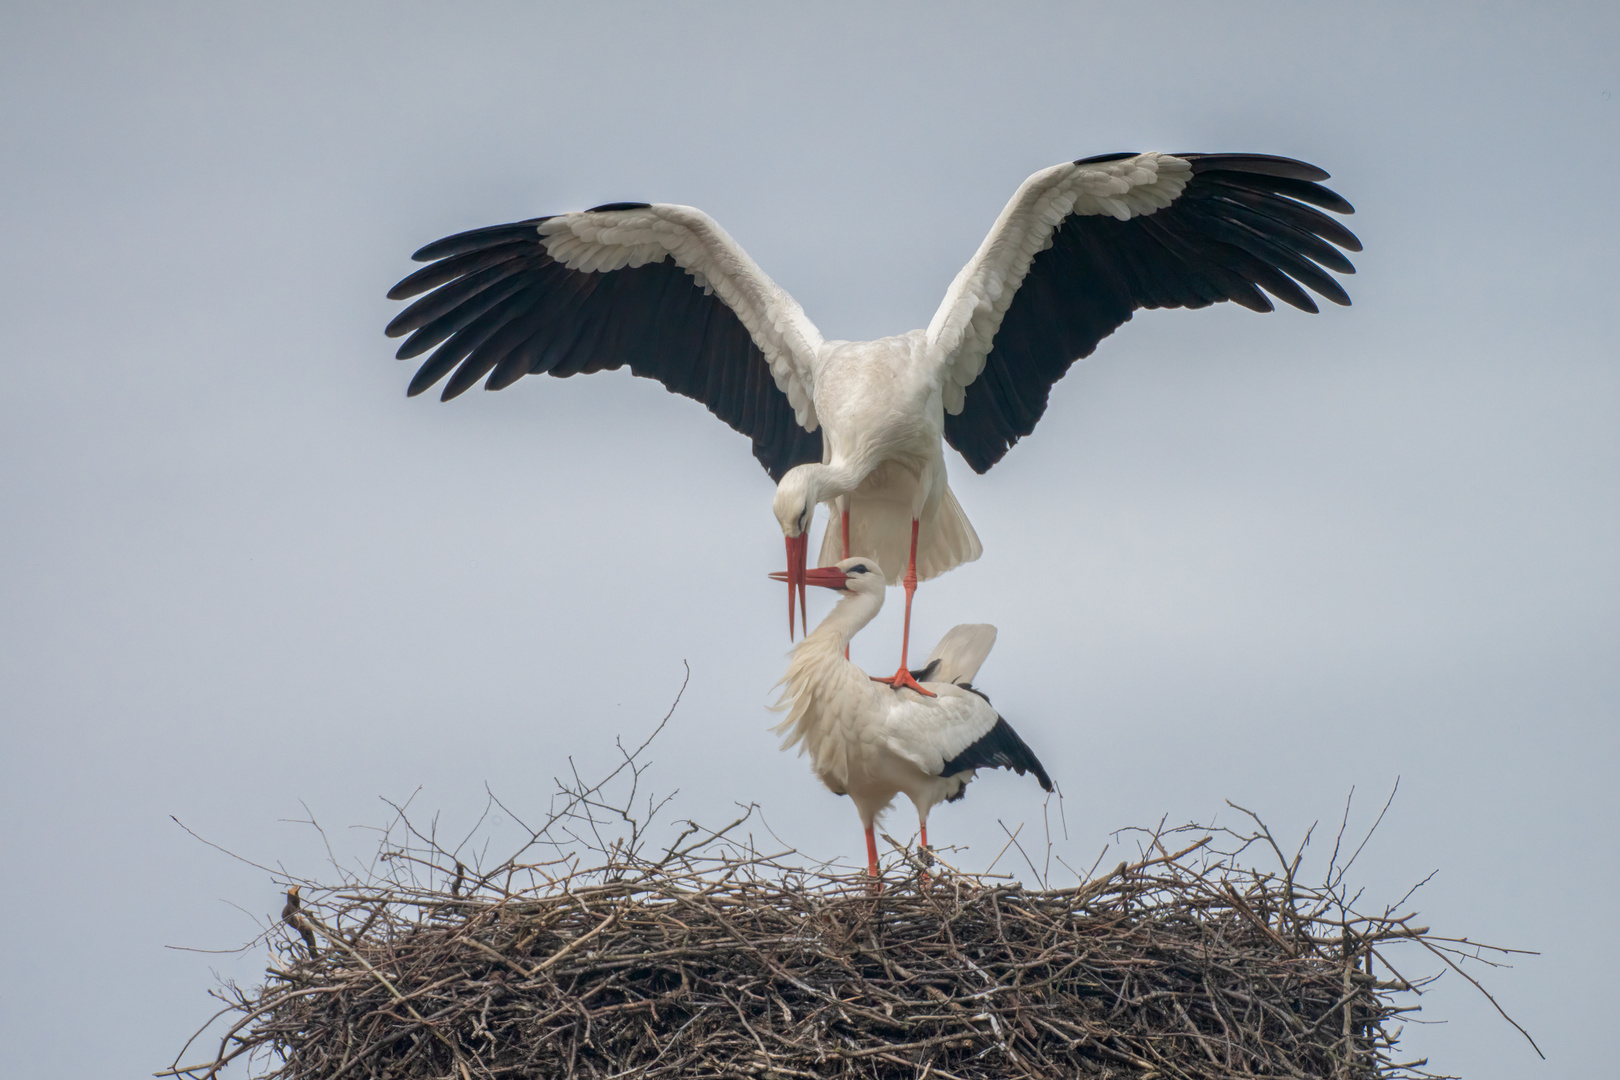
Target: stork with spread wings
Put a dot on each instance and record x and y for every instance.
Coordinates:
(862, 425)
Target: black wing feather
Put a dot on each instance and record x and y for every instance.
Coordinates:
(477, 240)
(439, 314)
(1297, 213)
(460, 344)
(1241, 225)
(596, 320)
(1255, 165)
(498, 305)
(999, 748)
(431, 277)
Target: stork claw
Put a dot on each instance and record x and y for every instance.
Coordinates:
(903, 679)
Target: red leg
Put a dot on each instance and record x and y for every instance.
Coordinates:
(871, 853)
(924, 847)
(903, 676)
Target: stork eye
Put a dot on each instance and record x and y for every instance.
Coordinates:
(858, 568)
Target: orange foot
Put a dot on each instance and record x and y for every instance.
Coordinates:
(902, 678)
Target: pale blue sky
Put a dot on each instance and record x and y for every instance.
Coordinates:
(1258, 558)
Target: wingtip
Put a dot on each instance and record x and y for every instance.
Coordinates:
(1259, 164)
(424, 378)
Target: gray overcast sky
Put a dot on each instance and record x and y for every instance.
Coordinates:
(1264, 558)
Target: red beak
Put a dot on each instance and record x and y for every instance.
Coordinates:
(828, 577)
(797, 577)
(798, 552)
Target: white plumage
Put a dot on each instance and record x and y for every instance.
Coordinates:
(598, 242)
(872, 742)
(862, 425)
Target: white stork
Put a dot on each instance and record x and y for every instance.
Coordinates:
(872, 743)
(859, 425)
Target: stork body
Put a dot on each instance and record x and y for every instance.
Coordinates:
(883, 429)
(885, 473)
(861, 425)
(873, 742)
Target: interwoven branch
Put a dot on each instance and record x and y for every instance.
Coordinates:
(711, 959)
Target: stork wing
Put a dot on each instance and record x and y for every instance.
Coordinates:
(957, 657)
(660, 288)
(999, 748)
(1084, 244)
(957, 731)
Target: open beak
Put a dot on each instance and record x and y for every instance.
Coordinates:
(797, 577)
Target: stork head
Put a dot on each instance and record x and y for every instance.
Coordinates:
(796, 498)
(856, 574)
(795, 508)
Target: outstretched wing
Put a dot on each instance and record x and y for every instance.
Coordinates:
(660, 288)
(1084, 244)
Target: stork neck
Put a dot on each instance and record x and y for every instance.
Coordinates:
(820, 684)
(837, 479)
(845, 620)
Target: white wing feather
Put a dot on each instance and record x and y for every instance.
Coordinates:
(605, 240)
(928, 733)
(961, 651)
(965, 325)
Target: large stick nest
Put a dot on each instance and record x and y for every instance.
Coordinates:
(714, 960)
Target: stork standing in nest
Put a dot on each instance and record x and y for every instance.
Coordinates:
(873, 742)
